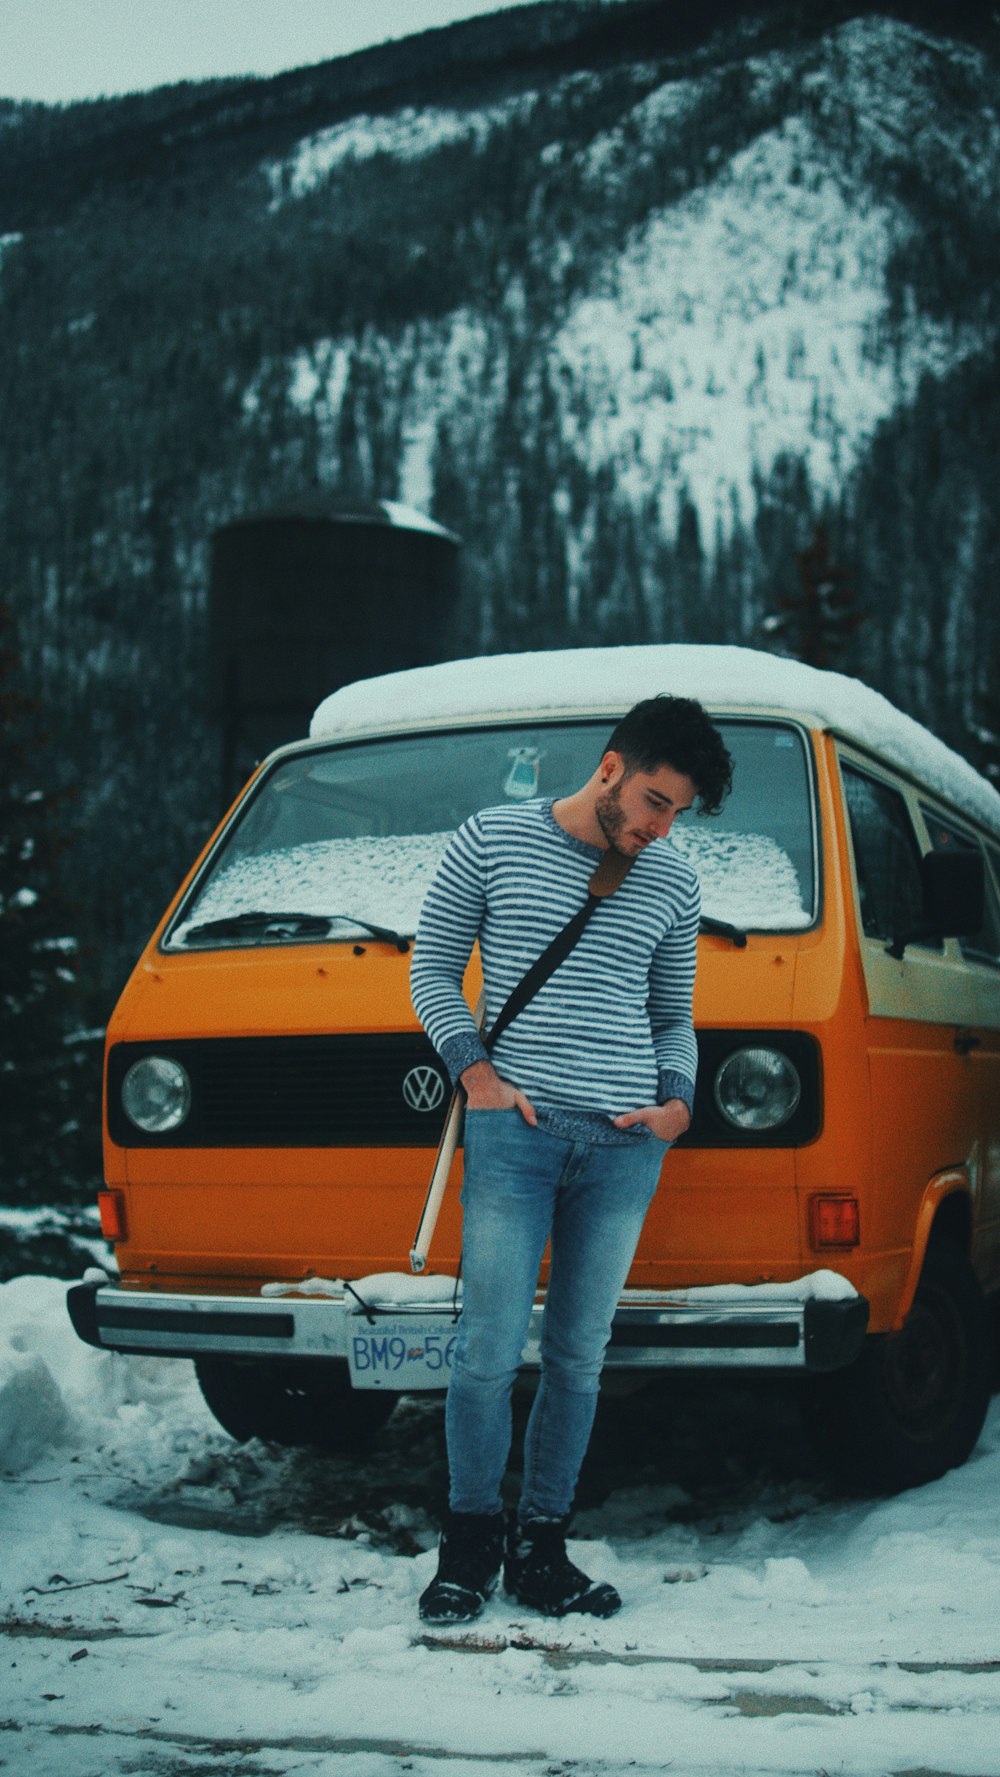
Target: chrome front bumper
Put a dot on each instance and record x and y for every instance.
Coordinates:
(738, 1328)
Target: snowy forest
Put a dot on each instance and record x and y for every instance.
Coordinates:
(673, 316)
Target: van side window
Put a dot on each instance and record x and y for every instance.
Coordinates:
(984, 945)
(886, 855)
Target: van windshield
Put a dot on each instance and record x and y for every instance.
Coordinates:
(353, 833)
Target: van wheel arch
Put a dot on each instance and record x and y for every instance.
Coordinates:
(294, 1404)
(912, 1405)
(953, 1222)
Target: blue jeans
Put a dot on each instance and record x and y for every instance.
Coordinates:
(523, 1185)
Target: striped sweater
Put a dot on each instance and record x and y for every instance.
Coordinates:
(611, 1030)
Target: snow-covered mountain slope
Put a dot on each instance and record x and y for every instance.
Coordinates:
(756, 316)
(753, 317)
(409, 134)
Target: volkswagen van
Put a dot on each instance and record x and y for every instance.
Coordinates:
(273, 1109)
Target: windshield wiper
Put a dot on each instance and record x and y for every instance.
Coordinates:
(386, 933)
(289, 925)
(722, 929)
(296, 925)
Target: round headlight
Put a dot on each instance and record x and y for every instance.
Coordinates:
(757, 1089)
(156, 1094)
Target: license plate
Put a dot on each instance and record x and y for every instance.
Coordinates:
(401, 1354)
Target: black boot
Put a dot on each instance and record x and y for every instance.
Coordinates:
(468, 1567)
(539, 1573)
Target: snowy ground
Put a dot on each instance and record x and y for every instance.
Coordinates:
(172, 1604)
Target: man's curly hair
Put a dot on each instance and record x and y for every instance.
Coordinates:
(676, 731)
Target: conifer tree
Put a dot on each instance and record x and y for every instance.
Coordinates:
(817, 623)
(44, 1108)
(984, 731)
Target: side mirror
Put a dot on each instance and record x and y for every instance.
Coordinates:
(954, 894)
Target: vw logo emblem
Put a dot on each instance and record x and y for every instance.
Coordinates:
(423, 1088)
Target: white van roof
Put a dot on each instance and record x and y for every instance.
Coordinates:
(608, 681)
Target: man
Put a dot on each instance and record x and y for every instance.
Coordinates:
(567, 1122)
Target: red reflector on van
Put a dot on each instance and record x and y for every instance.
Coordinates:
(834, 1221)
(111, 1205)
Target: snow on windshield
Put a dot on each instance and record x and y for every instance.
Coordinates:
(382, 880)
(746, 880)
(359, 830)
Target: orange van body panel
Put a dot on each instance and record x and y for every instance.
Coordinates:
(234, 1218)
(911, 1159)
(291, 1212)
(947, 1184)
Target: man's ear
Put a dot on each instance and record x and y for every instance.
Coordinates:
(611, 770)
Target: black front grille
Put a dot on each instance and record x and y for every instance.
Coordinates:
(347, 1092)
(290, 1092)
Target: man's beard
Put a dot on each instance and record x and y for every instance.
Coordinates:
(610, 818)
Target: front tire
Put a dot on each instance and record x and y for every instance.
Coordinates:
(293, 1404)
(912, 1405)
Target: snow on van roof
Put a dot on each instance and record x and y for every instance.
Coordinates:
(607, 681)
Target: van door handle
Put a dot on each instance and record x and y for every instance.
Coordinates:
(964, 1041)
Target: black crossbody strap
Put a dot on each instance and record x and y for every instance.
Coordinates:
(540, 970)
(610, 872)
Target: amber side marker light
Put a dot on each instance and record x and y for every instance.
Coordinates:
(834, 1222)
(111, 1205)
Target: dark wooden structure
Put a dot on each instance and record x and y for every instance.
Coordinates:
(310, 597)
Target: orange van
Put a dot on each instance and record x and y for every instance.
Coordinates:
(273, 1108)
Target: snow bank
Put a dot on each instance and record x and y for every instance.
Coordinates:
(609, 680)
(33, 1416)
(57, 1394)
